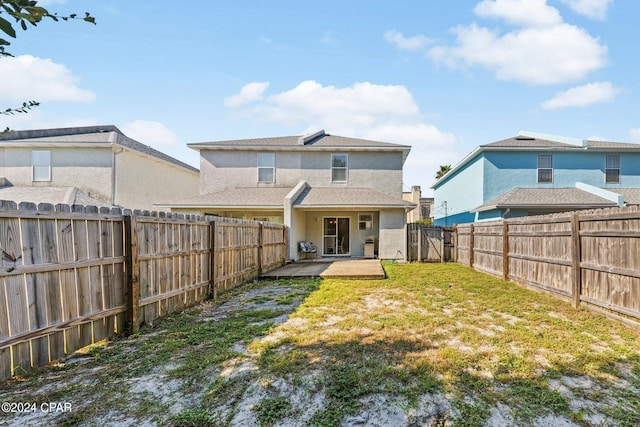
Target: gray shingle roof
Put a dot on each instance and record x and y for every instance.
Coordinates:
(327, 140)
(53, 195)
(527, 142)
(273, 198)
(530, 142)
(545, 197)
(346, 197)
(631, 195)
(88, 135)
(235, 198)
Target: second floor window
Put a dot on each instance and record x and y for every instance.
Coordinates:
(41, 165)
(545, 168)
(266, 167)
(612, 170)
(339, 168)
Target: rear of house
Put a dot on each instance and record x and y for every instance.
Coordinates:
(336, 192)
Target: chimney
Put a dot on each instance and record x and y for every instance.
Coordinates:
(304, 140)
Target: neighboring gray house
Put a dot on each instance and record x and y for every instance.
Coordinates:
(333, 191)
(95, 165)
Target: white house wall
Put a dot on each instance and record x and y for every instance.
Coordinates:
(88, 169)
(142, 181)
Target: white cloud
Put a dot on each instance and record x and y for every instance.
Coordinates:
(363, 110)
(582, 96)
(249, 93)
(518, 12)
(634, 135)
(541, 50)
(536, 55)
(150, 133)
(595, 9)
(407, 43)
(27, 77)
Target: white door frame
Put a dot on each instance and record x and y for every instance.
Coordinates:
(336, 235)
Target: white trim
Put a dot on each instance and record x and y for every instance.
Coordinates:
(336, 235)
(346, 168)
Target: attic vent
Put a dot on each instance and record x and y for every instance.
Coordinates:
(308, 138)
(524, 138)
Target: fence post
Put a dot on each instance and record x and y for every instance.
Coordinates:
(575, 260)
(260, 251)
(455, 251)
(442, 246)
(132, 288)
(471, 242)
(418, 232)
(212, 260)
(505, 250)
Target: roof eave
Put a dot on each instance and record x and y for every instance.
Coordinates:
(542, 206)
(199, 147)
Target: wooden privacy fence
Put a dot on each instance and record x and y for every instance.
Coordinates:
(71, 276)
(429, 244)
(591, 258)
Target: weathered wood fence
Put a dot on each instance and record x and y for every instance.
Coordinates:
(429, 244)
(591, 258)
(71, 276)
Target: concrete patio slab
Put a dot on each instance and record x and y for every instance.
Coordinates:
(360, 269)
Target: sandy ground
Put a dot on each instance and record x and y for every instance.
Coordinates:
(174, 395)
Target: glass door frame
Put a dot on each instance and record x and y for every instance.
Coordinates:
(335, 236)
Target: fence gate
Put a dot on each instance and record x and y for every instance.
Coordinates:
(429, 244)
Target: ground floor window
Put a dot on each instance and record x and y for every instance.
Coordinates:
(336, 236)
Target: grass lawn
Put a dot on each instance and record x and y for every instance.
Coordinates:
(434, 344)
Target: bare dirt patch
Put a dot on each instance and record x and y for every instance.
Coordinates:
(353, 353)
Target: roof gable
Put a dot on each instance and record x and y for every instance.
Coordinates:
(293, 142)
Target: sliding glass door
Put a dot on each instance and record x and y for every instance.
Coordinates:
(336, 236)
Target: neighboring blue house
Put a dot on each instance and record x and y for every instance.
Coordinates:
(533, 174)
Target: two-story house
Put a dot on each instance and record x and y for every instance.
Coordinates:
(93, 165)
(333, 191)
(532, 174)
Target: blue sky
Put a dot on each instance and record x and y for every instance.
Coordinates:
(440, 76)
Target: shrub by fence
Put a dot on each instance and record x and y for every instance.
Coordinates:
(71, 276)
(591, 258)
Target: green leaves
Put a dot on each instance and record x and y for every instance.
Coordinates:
(23, 109)
(26, 12)
(5, 27)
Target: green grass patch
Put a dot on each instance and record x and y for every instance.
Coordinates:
(272, 409)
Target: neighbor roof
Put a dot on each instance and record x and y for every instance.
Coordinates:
(53, 195)
(545, 197)
(87, 135)
(528, 141)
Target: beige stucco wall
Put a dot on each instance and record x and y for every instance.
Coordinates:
(221, 170)
(88, 169)
(392, 234)
(142, 181)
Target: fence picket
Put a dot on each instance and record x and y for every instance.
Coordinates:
(590, 258)
(73, 275)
